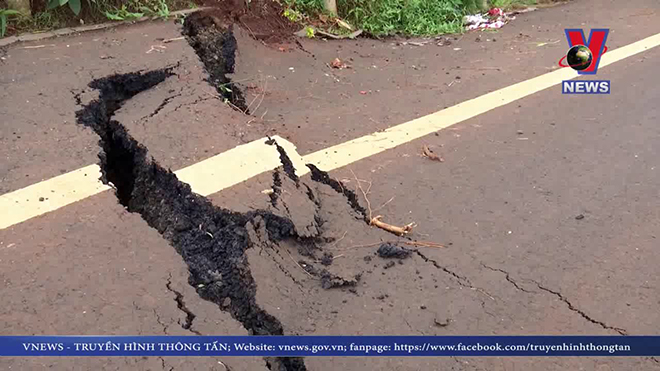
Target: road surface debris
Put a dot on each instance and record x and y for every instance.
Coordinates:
(428, 153)
(399, 231)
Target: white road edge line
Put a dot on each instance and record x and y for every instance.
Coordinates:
(246, 161)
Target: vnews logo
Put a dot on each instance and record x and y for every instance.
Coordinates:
(584, 57)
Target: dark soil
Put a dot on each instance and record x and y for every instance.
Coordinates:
(388, 250)
(263, 19)
(277, 188)
(327, 259)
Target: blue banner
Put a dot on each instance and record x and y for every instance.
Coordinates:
(326, 346)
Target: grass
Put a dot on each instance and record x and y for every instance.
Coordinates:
(42, 21)
(405, 17)
(376, 17)
(95, 11)
(509, 4)
(309, 7)
(133, 9)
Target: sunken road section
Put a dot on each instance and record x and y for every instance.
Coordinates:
(211, 240)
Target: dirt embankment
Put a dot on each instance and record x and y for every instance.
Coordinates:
(263, 19)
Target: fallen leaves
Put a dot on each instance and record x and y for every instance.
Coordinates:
(344, 24)
(339, 64)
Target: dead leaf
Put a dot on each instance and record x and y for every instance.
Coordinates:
(338, 64)
(426, 152)
(344, 24)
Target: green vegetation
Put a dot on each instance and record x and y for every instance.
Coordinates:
(122, 14)
(508, 4)
(407, 17)
(63, 13)
(375, 17)
(309, 32)
(74, 5)
(293, 15)
(137, 9)
(47, 20)
(4, 16)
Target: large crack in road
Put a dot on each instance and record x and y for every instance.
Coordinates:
(211, 240)
(215, 45)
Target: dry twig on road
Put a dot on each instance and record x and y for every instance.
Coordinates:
(399, 231)
(167, 41)
(385, 204)
(376, 220)
(298, 264)
(339, 240)
(423, 244)
(364, 194)
(405, 242)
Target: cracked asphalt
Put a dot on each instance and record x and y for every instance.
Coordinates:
(548, 206)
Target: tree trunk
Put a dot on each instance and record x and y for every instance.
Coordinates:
(331, 6)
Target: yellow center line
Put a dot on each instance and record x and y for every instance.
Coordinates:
(205, 177)
(246, 161)
(369, 145)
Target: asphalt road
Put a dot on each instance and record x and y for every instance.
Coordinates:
(548, 206)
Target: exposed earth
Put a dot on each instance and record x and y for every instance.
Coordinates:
(547, 207)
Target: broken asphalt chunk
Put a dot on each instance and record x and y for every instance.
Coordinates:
(389, 250)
